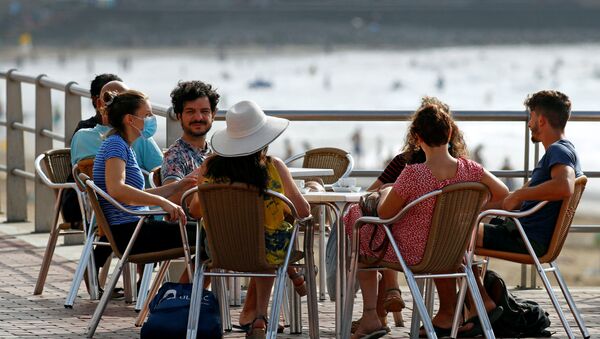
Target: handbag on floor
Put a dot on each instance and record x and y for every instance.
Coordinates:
(169, 311)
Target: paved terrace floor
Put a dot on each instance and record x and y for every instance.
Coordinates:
(24, 315)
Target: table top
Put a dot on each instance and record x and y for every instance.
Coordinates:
(300, 172)
(333, 196)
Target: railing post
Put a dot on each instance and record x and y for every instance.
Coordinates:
(44, 196)
(72, 112)
(173, 127)
(16, 192)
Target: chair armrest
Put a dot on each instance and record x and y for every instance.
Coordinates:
(184, 204)
(42, 175)
(511, 214)
(115, 203)
(350, 166)
(293, 158)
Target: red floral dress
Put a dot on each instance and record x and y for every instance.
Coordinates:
(412, 231)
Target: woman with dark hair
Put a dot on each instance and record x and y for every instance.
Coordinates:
(389, 298)
(116, 171)
(241, 156)
(430, 130)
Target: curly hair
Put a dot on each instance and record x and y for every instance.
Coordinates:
(458, 148)
(553, 105)
(192, 90)
(120, 104)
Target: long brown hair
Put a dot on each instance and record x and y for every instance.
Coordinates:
(457, 149)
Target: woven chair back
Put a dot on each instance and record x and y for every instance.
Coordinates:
(233, 217)
(327, 157)
(454, 216)
(58, 165)
(564, 221)
(85, 166)
(99, 214)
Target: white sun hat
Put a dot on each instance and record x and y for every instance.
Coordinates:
(248, 130)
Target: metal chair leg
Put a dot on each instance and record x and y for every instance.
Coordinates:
(50, 246)
(153, 290)
(106, 297)
(276, 304)
(195, 302)
(462, 292)
(553, 298)
(218, 284)
(127, 285)
(144, 285)
(84, 262)
(311, 286)
(570, 301)
(488, 332)
(415, 318)
(322, 264)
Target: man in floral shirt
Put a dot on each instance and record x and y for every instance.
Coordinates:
(195, 105)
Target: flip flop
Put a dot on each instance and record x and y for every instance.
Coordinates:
(493, 315)
(375, 334)
(440, 332)
(246, 327)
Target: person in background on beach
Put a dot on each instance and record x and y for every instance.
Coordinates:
(195, 106)
(389, 298)
(95, 88)
(431, 131)
(553, 179)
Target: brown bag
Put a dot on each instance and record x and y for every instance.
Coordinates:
(368, 204)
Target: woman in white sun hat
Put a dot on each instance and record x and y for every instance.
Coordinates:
(241, 156)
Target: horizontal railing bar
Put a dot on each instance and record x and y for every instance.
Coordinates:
(20, 126)
(3, 168)
(23, 174)
(47, 82)
(53, 135)
(160, 110)
(2, 123)
(585, 229)
(17, 76)
(81, 91)
(498, 173)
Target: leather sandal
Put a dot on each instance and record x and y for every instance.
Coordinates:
(258, 332)
(300, 288)
(393, 301)
(383, 320)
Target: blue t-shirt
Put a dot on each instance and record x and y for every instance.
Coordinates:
(116, 147)
(540, 226)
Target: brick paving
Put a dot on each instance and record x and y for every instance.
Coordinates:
(24, 315)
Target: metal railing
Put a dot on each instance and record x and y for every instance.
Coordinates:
(16, 202)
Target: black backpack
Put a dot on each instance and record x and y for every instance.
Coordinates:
(520, 318)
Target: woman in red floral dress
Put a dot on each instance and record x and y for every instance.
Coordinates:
(431, 127)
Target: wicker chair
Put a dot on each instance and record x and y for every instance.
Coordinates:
(233, 218)
(561, 230)
(125, 257)
(452, 225)
(338, 160)
(53, 168)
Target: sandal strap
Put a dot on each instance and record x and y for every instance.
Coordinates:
(388, 290)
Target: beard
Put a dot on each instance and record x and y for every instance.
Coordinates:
(191, 132)
(534, 131)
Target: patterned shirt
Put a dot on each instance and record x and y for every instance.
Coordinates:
(181, 159)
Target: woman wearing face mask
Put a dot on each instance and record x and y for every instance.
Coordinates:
(116, 171)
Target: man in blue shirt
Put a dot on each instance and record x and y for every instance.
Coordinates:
(553, 179)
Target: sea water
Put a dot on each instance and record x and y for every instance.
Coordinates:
(467, 78)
